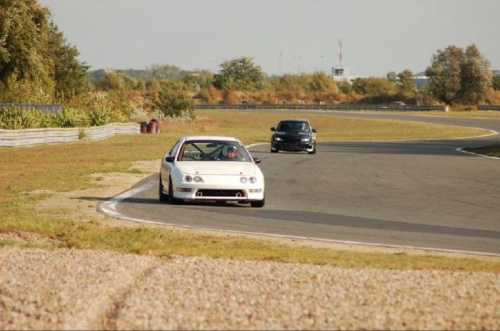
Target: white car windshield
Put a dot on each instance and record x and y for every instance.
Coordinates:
(213, 150)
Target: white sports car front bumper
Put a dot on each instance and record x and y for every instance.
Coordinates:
(219, 187)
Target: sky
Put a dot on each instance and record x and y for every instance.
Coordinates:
(283, 36)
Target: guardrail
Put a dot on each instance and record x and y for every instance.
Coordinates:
(488, 107)
(30, 137)
(325, 107)
(53, 108)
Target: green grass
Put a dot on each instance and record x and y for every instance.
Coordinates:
(162, 241)
(67, 167)
(493, 150)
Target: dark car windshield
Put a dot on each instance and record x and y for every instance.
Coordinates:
(293, 126)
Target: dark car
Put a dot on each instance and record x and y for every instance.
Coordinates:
(293, 134)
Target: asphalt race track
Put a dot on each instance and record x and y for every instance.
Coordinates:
(422, 194)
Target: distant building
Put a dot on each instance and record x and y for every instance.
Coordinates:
(420, 79)
(339, 72)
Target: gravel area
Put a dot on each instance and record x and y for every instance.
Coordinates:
(87, 289)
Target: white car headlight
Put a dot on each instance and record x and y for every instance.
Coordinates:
(305, 139)
(277, 139)
(198, 179)
(243, 180)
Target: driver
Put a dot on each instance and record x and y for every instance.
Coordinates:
(231, 154)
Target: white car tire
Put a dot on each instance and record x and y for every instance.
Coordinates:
(171, 199)
(161, 193)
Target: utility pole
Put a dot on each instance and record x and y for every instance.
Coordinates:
(281, 63)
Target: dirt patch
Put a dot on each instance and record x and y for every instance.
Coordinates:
(81, 205)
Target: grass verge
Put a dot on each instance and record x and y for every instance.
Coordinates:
(456, 113)
(164, 241)
(493, 150)
(49, 169)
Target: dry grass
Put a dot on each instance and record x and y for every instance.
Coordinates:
(68, 167)
(255, 127)
(471, 114)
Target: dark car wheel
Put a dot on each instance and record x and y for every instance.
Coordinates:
(171, 199)
(313, 150)
(163, 196)
(258, 203)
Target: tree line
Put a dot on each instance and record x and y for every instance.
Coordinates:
(38, 65)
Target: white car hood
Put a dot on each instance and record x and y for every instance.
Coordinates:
(217, 168)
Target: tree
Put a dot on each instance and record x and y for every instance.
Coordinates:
(406, 83)
(70, 75)
(23, 33)
(111, 81)
(496, 82)
(460, 76)
(175, 105)
(34, 53)
(292, 82)
(344, 86)
(23, 39)
(372, 86)
(240, 74)
(392, 77)
(475, 76)
(322, 82)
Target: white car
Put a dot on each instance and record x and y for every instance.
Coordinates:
(211, 168)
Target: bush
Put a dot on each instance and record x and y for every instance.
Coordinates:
(372, 86)
(230, 97)
(212, 96)
(85, 101)
(12, 118)
(71, 117)
(100, 116)
(175, 105)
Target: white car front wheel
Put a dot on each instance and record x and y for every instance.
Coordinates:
(171, 199)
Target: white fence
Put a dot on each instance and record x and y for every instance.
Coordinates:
(30, 137)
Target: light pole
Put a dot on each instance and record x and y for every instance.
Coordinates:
(281, 63)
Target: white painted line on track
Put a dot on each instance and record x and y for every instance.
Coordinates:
(109, 208)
